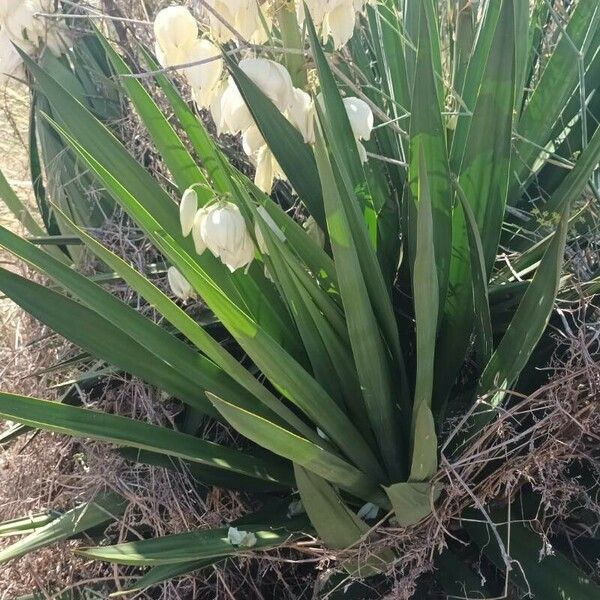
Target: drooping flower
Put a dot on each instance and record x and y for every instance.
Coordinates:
(302, 114)
(19, 26)
(335, 18)
(272, 78)
(229, 110)
(361, 121)
(204, 78)
(179, 285)
(246, 17)
(223, 229)
(176, 33)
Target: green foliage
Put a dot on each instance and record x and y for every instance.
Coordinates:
(358, 369)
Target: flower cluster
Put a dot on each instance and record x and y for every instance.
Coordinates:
(20, 27)
(248, 18)
(218, 227)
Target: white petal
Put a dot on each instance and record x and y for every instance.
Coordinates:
(339, 23)
(175, 30)
(242, 538)
(235, 115)
(302, 114)
(187, 210)
(199, 243)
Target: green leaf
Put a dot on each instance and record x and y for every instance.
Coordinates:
(100, 337)
(483, 168)
(122, 431)
(529, 321)
(428, 137)
(370, 354)
(426, 300)
(105, 507)
(557, 83)
(412, 501)
(337, 525)
(24, 525)
(176, 156)
(313, 457)
(285, 141)
(195, 546)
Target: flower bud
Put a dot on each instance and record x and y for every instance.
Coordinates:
(179, 285)
(187, 210)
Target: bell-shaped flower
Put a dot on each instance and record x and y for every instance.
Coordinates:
(204, 78)
(361, 117)
(301, 114)
(179, 285)
(243, 16)
(223, 229)
(188, 207)
(176, 32)
(335, 18)
(199, 244)
(272, 78)
(267, 167)
(229, 111)
(361, 121)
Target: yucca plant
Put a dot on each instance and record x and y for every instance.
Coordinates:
(444, 225)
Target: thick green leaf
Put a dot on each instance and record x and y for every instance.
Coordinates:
(370, 354)
(427, 307)
(530, 320)
(484, 170)
(82, 422)
(412, 501)
(105, 507)
(428, 137)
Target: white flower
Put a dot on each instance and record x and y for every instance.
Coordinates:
(188, 207)
(229, 111)
(361, 121)
(203, 78)
(243, 15)
(314, 232)
(199, 243)
(267, 167)
(237, 537)
(361, 117)
(272, 78)
(179, 285)
(335, 18)
(176, 32)
(302, 114)
(19, 26)
(223, 229)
